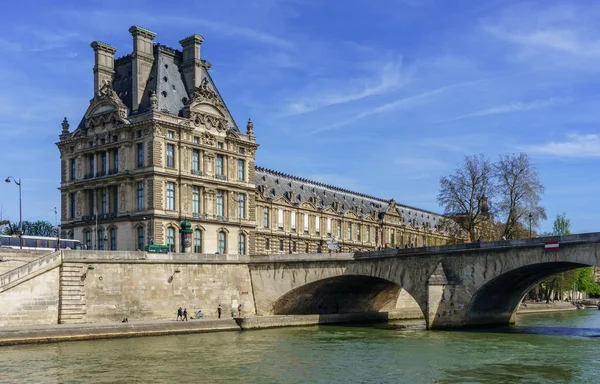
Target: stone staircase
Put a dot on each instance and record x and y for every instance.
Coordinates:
(71, 306)
(30, 270)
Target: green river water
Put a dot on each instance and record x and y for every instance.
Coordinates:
(547, 348)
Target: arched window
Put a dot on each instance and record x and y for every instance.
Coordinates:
(171, 238)
(140, 238)
(242, 243)
(197, 241)
(113, 239)
(88, 240)
(101, 240)
(222, 243)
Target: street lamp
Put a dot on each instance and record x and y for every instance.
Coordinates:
(530, 218)
(20, 209)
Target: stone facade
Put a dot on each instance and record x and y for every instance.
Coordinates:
(157, 146)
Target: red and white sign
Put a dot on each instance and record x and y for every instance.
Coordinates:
(551, 246)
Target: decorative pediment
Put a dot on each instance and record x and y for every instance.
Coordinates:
(208, 120)
(232, 133)
(205, 101)
(106, 107)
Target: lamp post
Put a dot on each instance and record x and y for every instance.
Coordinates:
(20, 209)
(530, 218)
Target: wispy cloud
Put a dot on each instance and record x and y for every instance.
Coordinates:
(575, 146)
(559, 39)
(390, 77)
(399, 103)
(516, 106)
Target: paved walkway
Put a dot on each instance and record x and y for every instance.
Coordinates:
(72, 332)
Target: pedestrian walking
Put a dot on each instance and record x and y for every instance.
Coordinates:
(179, 314)
(240, 310)
(219, 309)
(184, 318)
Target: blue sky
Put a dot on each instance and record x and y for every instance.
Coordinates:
(382, 97)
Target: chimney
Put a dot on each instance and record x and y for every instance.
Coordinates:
(191, 63)
(104, 64)
(141, 63)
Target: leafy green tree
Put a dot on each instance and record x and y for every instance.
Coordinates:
(561, 225)
(33, 228)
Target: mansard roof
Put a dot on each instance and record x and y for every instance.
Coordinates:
(273, 185)
(165, 81)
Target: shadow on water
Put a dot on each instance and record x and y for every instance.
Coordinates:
(510, 373)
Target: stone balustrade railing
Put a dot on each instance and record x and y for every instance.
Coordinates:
(30, 268)
(116, 256)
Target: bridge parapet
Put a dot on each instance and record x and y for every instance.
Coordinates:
(593, 237)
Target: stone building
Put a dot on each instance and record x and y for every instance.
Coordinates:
(158, 148)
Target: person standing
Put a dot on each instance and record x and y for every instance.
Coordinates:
(219, 309)
(184, 317)
(179, 314)
(240, 310)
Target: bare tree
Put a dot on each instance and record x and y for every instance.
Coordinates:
(519, 190)
(464, 194)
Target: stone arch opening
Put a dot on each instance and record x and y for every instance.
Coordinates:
(341, 294)
(496, 301)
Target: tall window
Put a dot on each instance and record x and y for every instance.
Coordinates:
(293, 220)
(339, 229)
(91, 202)
(140, 155)
(242, 244)
(281, 245)
(368, 234)
(267, 245)
(170, 195)
(103, 162)
(115, 199)
(140, 195)
(100, 240)
(113, 239)
(241, 170)
(73, 170)
(219, 165)
(266, 217)
(349, 231)
(220, 208)
(241, 206)
(116, 161)
(103, 201)
(358, 232)
(329, 226)
(318, 225)
(140, 238)
(195, 160)
(91, 160)
(195, 199)
(222, 242)
(171, 238)
(170, 156)
(306, 223)
(197, 241)
(88, 240)
(72, 205)
(280, 218)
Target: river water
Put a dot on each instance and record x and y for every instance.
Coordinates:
(547, 348)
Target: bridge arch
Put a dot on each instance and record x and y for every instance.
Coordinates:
(340, 294)
(498, 299)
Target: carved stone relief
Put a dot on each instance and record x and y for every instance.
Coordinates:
(123, 197)
(78, 205)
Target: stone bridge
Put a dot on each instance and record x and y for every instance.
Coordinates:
(454, 286)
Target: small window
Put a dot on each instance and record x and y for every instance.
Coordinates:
(164, 93)
(220, 145)
(242, 150)
(165, 79)
(170, 134)
(281, 245)
(138, 134)
(196, 140)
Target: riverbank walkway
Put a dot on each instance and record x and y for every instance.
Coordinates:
(90, 331)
